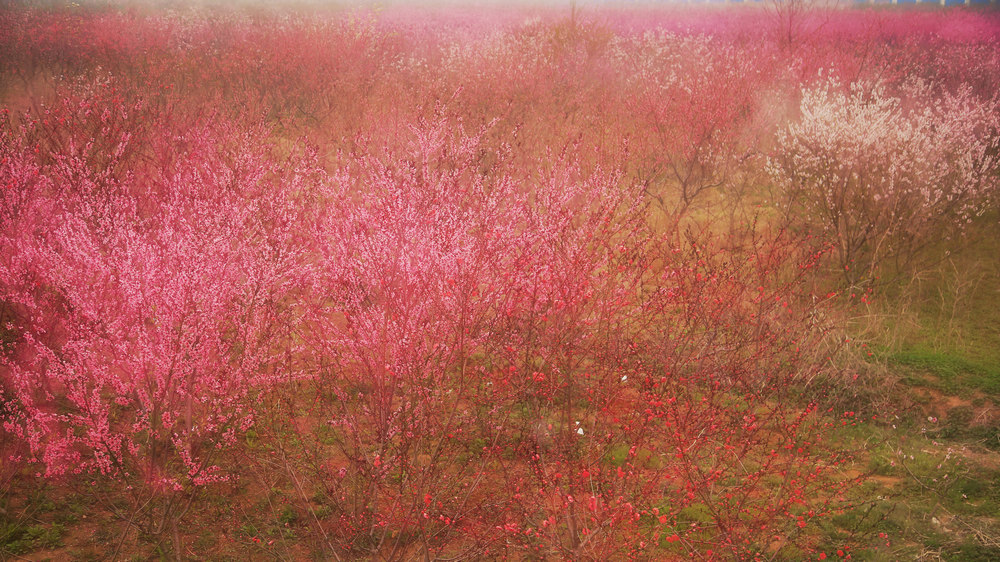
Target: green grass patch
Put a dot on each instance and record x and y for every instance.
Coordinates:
(18, 539)
(955, 372)
(971, 551)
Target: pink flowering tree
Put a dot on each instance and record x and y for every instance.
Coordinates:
(697, 101)
(143, 308)
(886, 173)
(416, 255)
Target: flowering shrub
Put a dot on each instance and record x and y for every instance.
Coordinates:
(519, 365)
(146, 295)
(698, 97)
(884, 174)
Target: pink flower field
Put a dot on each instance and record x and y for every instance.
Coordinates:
(577, 281)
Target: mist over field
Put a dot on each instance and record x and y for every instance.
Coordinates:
(489, 281)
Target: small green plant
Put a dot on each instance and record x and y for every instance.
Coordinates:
(24, 539)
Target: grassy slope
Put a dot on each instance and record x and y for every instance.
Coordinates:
(940, 466)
